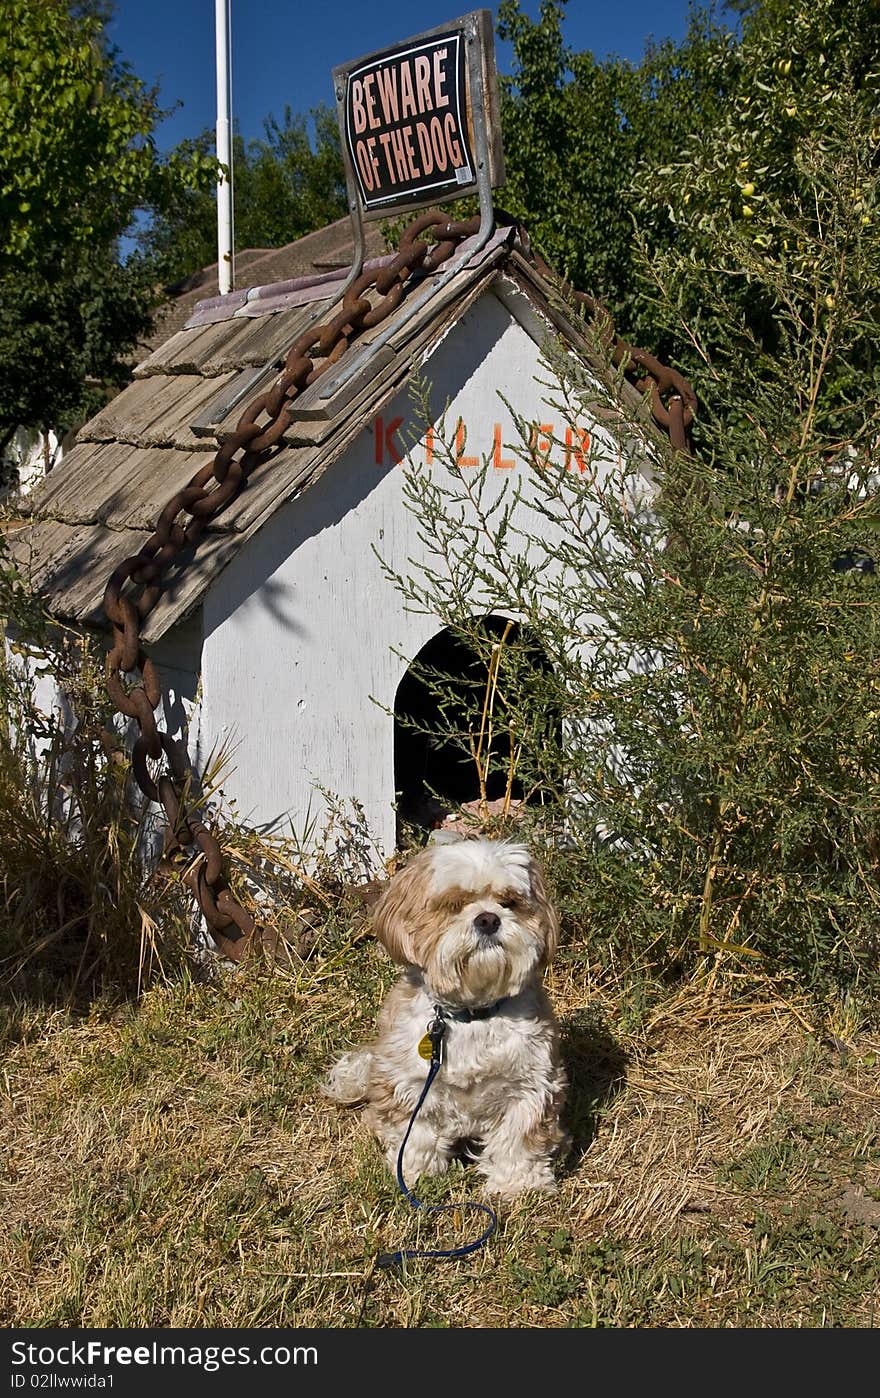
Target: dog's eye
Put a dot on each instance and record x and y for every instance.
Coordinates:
(509, 903)
(450, 903)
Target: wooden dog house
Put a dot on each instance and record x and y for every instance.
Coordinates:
(282, 637)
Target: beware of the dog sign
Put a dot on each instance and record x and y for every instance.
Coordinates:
(410, 117)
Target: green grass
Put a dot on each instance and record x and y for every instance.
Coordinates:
(171, 1162)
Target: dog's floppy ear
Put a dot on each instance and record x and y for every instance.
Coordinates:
(400, 909)
(549, 917)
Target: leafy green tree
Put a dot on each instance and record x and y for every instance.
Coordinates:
(580, 135)
(284, 186)
(800, 68)
(77, 159)
(625, 173)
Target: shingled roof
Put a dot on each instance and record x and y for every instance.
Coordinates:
(100, 506)
(326, 250)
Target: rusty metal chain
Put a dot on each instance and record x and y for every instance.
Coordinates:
(136, 585)
(673, 401)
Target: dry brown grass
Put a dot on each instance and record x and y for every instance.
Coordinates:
(173, 1164)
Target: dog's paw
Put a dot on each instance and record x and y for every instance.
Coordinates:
(348, 1080)
(418, 1162)
(510, 1184)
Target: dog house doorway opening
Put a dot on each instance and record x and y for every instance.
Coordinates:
(441, 705)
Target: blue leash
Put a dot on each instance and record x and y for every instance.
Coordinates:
(436, 1032)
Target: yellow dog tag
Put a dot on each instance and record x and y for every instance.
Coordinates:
(425, 1047)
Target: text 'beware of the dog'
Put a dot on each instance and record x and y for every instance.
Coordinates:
(405, 123)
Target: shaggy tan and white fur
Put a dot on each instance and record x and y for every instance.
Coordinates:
(472, 925)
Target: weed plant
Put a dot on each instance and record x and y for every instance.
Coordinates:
(707, 622)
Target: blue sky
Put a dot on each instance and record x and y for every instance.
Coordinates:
(283, 51)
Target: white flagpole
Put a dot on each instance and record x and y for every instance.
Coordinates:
(224, 148)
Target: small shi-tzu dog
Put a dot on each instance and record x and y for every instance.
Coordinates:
(472, 925)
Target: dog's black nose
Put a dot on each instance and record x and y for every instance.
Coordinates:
(487, 923)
